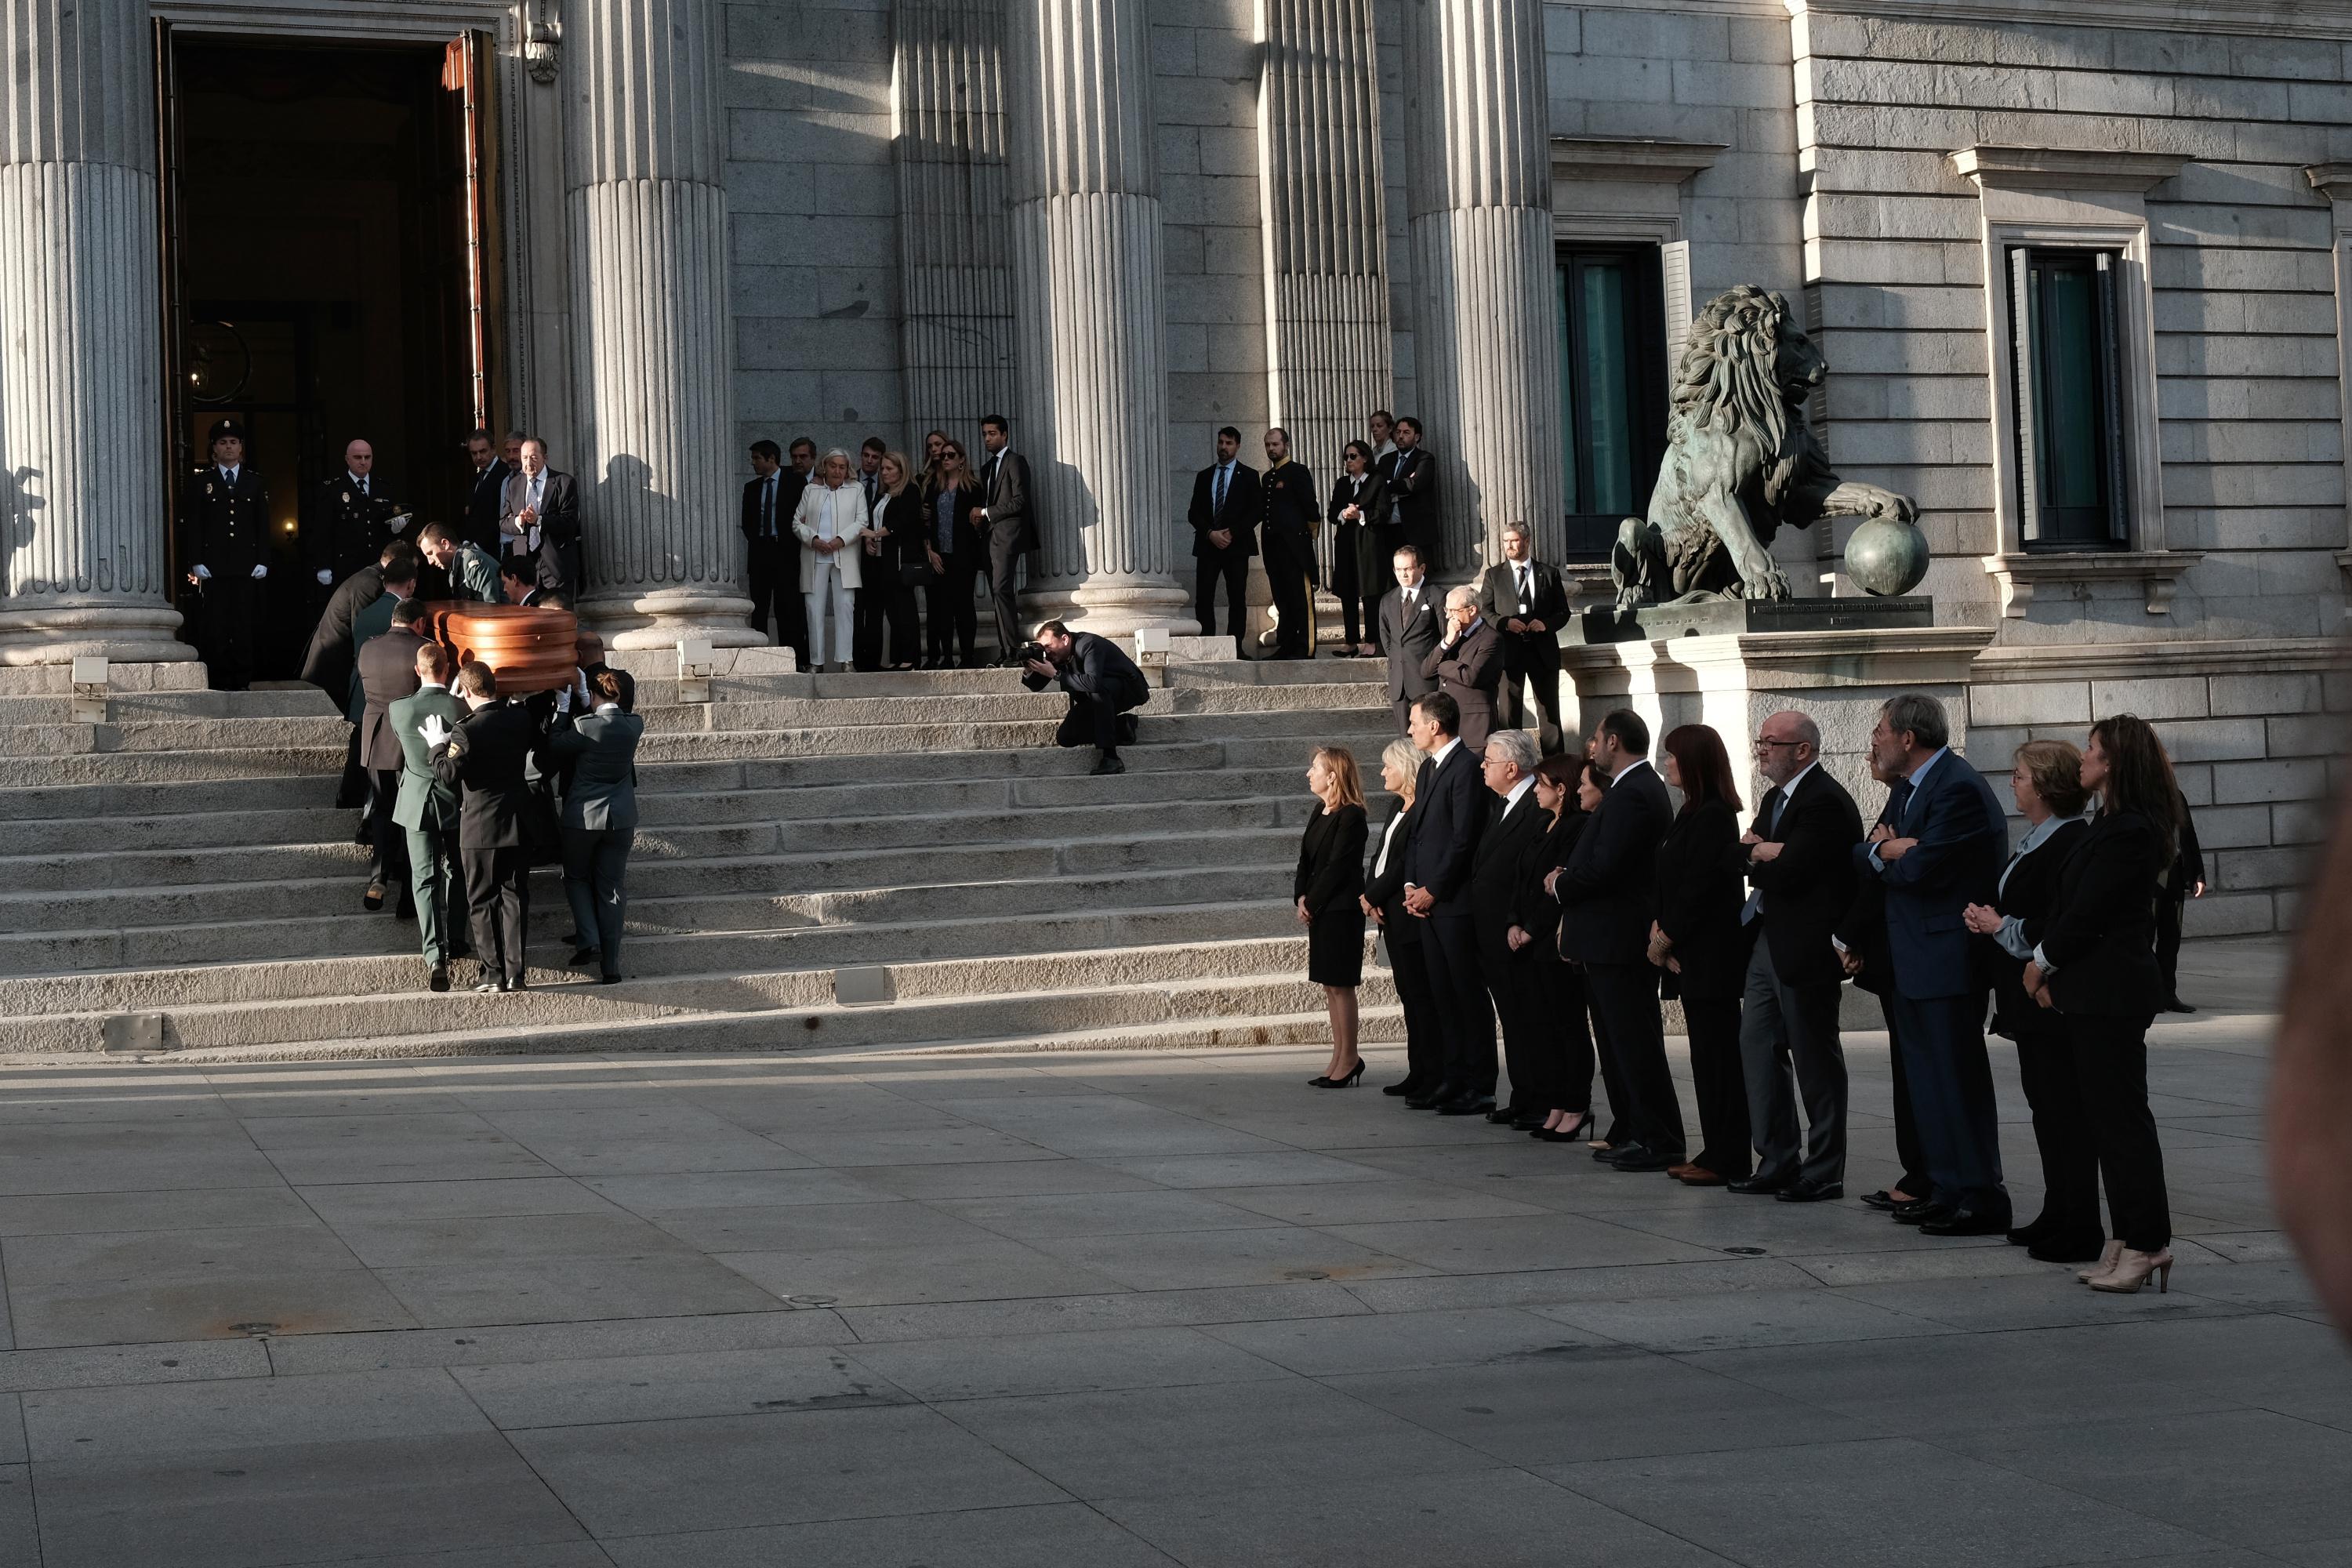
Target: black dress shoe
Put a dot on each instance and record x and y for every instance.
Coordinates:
(1634, 1157)
(1109, 765)
(372, 899)
(608, 980)
(440, 981)
(1428, 1100)
(1467, 1105)
(2175, 1004)
(1758, 1186)
(1810, 1192)
(583, 955)
(1502, 1115)
(1405, 1088)
(1921, 1211)
(1526, 1123)
(2041, 1226)
(2063, 1246)
(1966, 1222)
(1880, 1200)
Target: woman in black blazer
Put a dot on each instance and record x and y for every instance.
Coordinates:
(955, 555)
(894, 537)
(1568, 1050)
(1329, 890)
(1695, 942)
(1360, 546)
(2095, 964)
(2046, 778)
(1384, 903)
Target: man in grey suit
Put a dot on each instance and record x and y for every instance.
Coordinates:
(1009, 525)
(599, 750)
(540, 519)
(427, 812)
(1411, 626)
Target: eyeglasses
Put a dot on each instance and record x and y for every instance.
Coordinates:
(1765, 743)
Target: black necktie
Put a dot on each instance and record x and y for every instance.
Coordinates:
(768, 508)
(1898, 801)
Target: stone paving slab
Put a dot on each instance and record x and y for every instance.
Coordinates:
(858, 1308)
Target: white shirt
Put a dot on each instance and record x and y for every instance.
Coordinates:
(1755, 904)
(1411, 596)
(1445, 750)
(1382, 450)
(1789, 790)
(1517, 790)
(1628, 768)
(359, 481)
(1387, 838)
(231, 474)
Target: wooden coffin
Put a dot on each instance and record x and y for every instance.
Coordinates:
(529, 649)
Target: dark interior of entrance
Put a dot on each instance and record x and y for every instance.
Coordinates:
(326, 282)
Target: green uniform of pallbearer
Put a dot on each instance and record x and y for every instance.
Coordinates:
(428, 808)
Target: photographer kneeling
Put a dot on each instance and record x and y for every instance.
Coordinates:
(1103, 684)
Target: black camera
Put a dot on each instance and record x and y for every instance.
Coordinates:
(1035, 650)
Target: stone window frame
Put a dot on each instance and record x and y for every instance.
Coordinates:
(2074, 199)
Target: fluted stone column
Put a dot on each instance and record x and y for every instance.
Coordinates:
(652, 348)
(1326, 291)
(955, 243)
(1089, 304)
(1478, 166)
(82, 483)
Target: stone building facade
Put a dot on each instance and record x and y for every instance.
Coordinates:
(2078, 266)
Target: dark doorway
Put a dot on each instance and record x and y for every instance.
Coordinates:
(324, 229)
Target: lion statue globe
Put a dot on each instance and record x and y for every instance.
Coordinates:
(1741, 463)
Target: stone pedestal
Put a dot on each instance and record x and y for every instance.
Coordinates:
(653, 350)
(1478, 167)
(1090, 310)
(1732, 683)
(83, 558)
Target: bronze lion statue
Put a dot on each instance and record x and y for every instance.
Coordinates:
(1741, 462)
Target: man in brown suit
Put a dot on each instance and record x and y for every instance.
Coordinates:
(1467, 664)
(388, 674)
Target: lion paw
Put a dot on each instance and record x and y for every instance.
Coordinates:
(1766, 583)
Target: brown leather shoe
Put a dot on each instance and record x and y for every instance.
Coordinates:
(1684, 1169)
(1697, 1176)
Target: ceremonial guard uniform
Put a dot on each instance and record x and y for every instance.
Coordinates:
(223, 528)
(349, 526)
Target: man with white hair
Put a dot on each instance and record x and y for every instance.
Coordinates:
(1800, 852)
(1506, 955)
(1467, 664)
(830, 517)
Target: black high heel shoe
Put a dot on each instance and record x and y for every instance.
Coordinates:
(1578, 1133)
(1326, 1081)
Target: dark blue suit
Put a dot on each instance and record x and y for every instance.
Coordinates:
(1451, 805)
(1938, 998)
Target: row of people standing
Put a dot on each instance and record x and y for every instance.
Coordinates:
(1562, 894)
(861, 540)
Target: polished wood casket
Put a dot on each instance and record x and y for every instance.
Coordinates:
(528, 648)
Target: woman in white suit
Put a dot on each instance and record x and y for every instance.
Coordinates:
(829, 521)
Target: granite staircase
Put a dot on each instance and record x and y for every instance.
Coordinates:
(843, 862)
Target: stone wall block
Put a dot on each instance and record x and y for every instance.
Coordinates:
(2034, 703)
(2288, 779)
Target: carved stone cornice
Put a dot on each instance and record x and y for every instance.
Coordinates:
(2159, 572)
(2265, 19)
(1995, 167)
(1647, 161)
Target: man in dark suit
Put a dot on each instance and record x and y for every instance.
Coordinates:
(771, 550)
(328, 663)
(1942, 852)
(1523, 599)
(1452, 810)
(1292, 513)
(486, 492)
(1224, 512)
(224, 528)
(1498, 887)
(1412, 621)
(1799, 859)
(1608, 897)
(1103, 684)
(541, 520)
(521, 586)
(1009, 522)
(1860, 942)
(387, 673)
(489, 758)
(351, 521)
(1467, 664)
(1411, 475)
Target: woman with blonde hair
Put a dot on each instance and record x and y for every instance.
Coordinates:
(1382, 901)
(1329, 891)
(828, 521)
(894, 535)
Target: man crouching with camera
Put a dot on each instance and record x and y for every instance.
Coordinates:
(1103, 684)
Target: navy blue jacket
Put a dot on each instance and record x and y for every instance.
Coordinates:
(1963, 844)
(1450, 805)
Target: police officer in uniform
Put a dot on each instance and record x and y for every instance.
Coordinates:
(354, 518)
(224, 556)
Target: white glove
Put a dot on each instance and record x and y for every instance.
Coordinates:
(581, 676)
(400, 523)
(325, 577)
(204, 571)
(259, 572)
(434, 730)
(563, 700)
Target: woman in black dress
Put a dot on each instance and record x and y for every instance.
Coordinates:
(1329, 891)
(2046, 778)
(2095, 964)
(1695, 942)
(1568, 1045)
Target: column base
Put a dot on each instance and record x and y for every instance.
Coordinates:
(122, 633)
(639, 621)
(1116, 608)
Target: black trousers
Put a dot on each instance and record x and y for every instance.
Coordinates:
(388, 868)
(354, 789)
(1718, 1086)
(1424, 1034)
(948, 600)
(227, 627)
(1511, 703)
(1950, 1082)
(2111, 1065)
(1915, 1182)
(1449, 949)
(773, 569)
(1230, 568)
(1565, 1070)
(2061, 1131)
(1789, 1034)
(596, 885)
(1359, 576)
(1511, 983)
(2168, 913)
(886, 604)
(497, 904)
(1004, 578)
(1294, 602)
(1626, 1018)
(1095, 722)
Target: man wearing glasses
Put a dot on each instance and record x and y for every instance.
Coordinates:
(1800, 865)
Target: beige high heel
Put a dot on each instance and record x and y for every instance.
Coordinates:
(2132, 1269)
(2107, 1255)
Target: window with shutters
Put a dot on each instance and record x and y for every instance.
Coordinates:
(2066, 363)
(1610, 319)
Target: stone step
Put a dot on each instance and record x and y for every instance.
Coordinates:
(1005, 994)
(890, 713)
(149, 707)
(1230, 1010)
(106, 770)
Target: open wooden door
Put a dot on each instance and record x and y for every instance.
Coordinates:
(469, 77)
(172, 302)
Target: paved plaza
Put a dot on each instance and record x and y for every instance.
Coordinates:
(1016, 1309)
